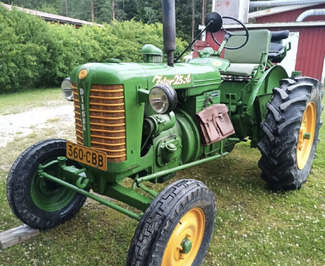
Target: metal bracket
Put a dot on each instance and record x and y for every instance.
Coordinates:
(142, 96)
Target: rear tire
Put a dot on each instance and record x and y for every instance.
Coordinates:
(291, 132)
(36, 201)
(176, 228)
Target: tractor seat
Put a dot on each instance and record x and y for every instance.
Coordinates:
(244, 61)
(237, 69)
(277, 50)
(278, 36)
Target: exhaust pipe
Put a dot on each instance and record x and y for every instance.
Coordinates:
(169, 29)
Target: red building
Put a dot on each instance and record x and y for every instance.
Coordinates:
(307, 37)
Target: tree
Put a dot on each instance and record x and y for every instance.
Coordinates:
(105, 11)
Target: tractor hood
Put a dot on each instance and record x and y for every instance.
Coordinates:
(199, 72)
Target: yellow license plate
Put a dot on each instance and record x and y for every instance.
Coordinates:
(94, 158)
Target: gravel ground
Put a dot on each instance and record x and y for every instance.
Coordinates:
(25, 123)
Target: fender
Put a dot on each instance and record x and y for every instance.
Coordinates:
(263, 88)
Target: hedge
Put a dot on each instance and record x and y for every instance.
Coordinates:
(34, 53)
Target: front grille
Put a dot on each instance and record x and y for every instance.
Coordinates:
(77, 115)
(107, 121)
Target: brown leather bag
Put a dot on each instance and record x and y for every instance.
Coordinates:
(214, 123)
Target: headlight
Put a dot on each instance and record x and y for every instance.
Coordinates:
(66, 87)
(162, 98)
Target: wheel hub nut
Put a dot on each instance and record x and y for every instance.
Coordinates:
(186, 246)
(306, 136)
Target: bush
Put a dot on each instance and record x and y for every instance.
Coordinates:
(34, 53)
(21, 50)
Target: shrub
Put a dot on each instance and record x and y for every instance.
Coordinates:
(34, 53)
(21, 50)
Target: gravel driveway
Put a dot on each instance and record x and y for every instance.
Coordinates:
(25, 123)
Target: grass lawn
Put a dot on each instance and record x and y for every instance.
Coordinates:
(23, 101)
(254, 225)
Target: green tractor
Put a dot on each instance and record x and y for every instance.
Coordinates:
(146, 121)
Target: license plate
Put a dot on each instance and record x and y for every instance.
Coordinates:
(93, 158)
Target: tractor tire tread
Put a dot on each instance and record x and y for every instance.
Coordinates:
(278, 145)
(18, 188)
(146, 242)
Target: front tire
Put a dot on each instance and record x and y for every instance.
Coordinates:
(291, 132)
(36, 201)
(176, 228)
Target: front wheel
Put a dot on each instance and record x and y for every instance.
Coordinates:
(291, 132)
(176, 228)
(36, 201)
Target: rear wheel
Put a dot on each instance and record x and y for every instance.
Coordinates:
(291, 132)
(176, 228)
(36, 201)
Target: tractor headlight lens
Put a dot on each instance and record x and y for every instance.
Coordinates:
(158, 100)
(162, 98)
(66, 87)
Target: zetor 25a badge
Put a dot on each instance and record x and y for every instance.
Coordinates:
(176, 80)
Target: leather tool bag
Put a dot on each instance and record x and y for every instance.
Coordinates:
(214, 123)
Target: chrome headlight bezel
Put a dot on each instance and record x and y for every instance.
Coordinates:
(162, 98)
(66, 87)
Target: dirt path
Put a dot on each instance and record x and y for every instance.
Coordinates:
(25, 123)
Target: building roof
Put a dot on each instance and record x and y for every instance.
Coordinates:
(277, 10)
(52, 17)
(279, 25)
(287, 13)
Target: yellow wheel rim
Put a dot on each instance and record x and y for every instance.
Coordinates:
(186, 239)
(306, 135)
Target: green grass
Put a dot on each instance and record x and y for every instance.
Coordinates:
(254, 225)
(23, 101)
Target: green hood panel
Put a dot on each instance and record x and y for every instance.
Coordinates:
(182, 75)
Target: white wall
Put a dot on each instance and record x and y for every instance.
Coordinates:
(289, 62)
(233, 8)
(323, 75)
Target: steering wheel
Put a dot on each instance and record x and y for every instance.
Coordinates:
(214, 19)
